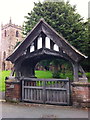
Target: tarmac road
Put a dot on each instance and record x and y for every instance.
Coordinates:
(28, 110)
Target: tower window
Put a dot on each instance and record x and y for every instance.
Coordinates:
(3, 66)
(5, 33)
(17, 33)
(4, 55)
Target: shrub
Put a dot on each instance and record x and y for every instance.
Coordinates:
(56, 75)
(88, 76)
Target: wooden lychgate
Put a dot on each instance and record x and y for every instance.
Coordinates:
(34, 49)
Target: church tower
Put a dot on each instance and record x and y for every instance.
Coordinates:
(11, 34)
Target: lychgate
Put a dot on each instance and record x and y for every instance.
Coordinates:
(31, 51)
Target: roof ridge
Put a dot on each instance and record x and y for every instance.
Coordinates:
(65, 40)
(18, 52)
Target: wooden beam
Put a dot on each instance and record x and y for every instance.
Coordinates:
(43, 39)
(75, 70)
(61, 42)
(51, 44)
(41, 79)
(28, 50)
(43, 27)
(35, 44)
(59, 49)
(25, 44)
(41, 54)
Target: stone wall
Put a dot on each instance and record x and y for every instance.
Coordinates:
(81, 94)
(13, 91)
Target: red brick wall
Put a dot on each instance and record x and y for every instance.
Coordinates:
(81, 94)
(13, 91)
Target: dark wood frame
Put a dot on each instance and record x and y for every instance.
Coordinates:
(57, 93)
(22, 58)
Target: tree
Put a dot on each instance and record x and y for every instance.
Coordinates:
(63, 18)
(86, 46)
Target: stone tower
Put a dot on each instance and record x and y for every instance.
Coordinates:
(11, 34)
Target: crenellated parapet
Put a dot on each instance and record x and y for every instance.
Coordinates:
(12, 25)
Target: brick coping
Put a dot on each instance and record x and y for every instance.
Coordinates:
(81, 84)
(12, 82)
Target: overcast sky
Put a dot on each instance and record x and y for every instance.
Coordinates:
(17, 9)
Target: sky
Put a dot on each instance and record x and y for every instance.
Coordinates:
(17, 9)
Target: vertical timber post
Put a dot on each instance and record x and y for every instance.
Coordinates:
(44, 91)
(43, 40)
(28, 50)
(22, 89)
(75, 69)
(70, 97)
(68, 92)
(51, 44)
(35, 44)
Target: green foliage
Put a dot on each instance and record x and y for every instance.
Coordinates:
(56, 62)
(86, 47)
(17, 44)
(67, 75)
(65, 20)
(56, 75)
(88, 76)
(3, 75)
(45, 63)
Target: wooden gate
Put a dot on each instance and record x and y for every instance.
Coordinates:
(47, 91)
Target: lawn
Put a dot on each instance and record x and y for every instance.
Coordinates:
(3, 74)
(43, 74)
(38, 74)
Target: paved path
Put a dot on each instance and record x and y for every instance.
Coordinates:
(2, 95)
(12, 110)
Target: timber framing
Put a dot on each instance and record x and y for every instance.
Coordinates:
(42, 26)
(25, 61)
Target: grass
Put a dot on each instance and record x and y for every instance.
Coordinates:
(43, 74)
(39, 74)
(3, 74)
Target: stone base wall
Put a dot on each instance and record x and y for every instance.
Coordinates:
(81, 94)
(13, 91)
